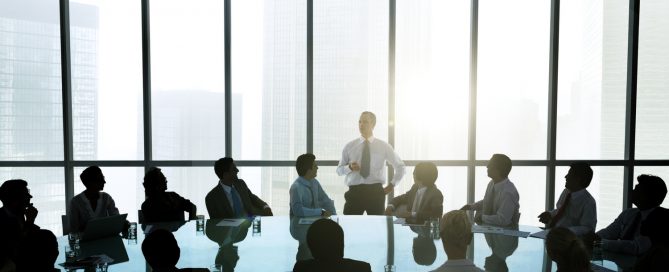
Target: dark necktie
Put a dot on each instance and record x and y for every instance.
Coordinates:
(561, 211)
(236, 202)
(364, 164)
(629, 232)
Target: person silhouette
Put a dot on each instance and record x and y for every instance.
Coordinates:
(92, 202)
(231, 197)
(226, 238)
(162, 252)
(38, 252)
(455, 230)
(325, 239)
(162, 206)
(17, 219)
(656, 259)
(567, 250)
(424, 200)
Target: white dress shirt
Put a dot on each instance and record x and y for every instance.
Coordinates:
(462, 265)
(81, 211)
(506, 204)
(380, 152)
(580, 215)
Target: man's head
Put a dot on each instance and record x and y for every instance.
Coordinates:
(161, 250)
(499, 167)
(154, 181)
(456, 233)
(649, 193)
(366, 123)
(325, 239)
(306, 166)
(226, 169)
(93, 179)
(425, 173)
(578, 177)
(15, 195)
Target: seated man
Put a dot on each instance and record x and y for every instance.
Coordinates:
(162, 206)
(576, 208)
(17, 219)
(92, 202)
(623, 235)
(162, 252)
(500, 206)
(655, 228)
(424, 200)
(307, 197)
(231, 198)
(325, 239)
(456, 235)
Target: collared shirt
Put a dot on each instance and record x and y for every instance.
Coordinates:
(580, 215)
(307, 198)
(462, 265)
(417, 200)
(612, 235)
(380, 152)
(505, 204)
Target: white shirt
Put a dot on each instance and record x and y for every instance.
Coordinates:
(81, 211)
(506, 204)
(379, 152)
(416, 201)
(462, 265)
(580, 215)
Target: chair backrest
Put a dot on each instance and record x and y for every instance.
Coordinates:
(65, 220)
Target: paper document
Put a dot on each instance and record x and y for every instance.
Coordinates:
(498, 230)
(541, 235)
(516, 233)
(230, 222)
(308, 220)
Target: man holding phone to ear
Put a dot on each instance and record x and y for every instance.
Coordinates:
(17, 216)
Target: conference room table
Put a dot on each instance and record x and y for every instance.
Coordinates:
(279, 241)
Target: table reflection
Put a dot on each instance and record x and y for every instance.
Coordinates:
(226, 238)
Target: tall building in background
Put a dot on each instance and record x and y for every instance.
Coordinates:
(31, 124)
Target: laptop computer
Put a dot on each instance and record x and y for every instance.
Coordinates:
(103, 227)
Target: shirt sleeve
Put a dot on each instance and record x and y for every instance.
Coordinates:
(297, 206)
(638, 246)
(111, 206)
(75, 220)
(342, 168)
(588, 220)
(613, 230)
(325, 201)
(504, 213)
(394, 159)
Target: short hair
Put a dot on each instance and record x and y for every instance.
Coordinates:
(426, 172)
(303, 163)
(584, 171)
(456, 228)
(160, 249)
(503, 162)
(10, 189)
(152, 179)
(90, 174)
(653, 188)
(566, 249)
(222, 166)
(372, 116)
(325, 239)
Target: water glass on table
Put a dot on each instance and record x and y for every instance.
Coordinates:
(132, 233)
(199, 223)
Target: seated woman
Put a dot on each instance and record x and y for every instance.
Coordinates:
(162, 206)
(567, 250)
(92, 202)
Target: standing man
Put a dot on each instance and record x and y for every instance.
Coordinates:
(500, 205)
(231, 198)
(363, 163)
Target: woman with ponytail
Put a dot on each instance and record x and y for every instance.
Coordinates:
(568, 251)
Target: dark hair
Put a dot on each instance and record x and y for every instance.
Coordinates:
(372, 116)
(90, 174)
(152, 180)
(11, 189)
(160, 249)
(567, 250)
(503, 163)
(653, 188)
(426, 172)
(584, 171)
(424, 251)
(325, 239)
(304, 163)
(222, 166)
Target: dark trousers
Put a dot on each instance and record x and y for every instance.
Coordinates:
(364, 197)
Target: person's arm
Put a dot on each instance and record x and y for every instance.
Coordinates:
(402, 199)
(255, 200)
(504, 214)
(111, 206)
(215, 209)
(343, 167)
(186, 206)
(614, 230)
(398, 165)
(433, 208)
(638, 246)
(588, 220)
(325, 201)
(297, 206)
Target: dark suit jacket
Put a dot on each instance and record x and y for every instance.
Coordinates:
(12, 233)
(218, 205)
(432, 204)
(344, 265)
